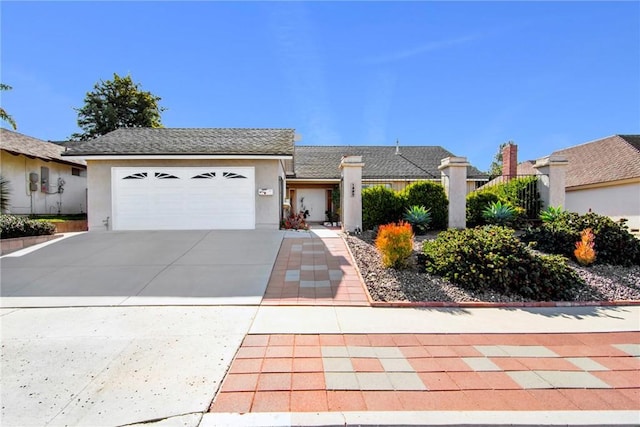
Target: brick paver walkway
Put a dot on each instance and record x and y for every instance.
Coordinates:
(314, 271)
(418, 372)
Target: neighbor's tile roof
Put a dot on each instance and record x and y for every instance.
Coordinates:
(17, 143)
(609, 159)
(526, 168)
(169, 141)
(380, 162)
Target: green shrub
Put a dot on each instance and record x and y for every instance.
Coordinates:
(395, 243)
(419, 217)
(12, 226)
(380, 205)
(550, 214)
(492, 258)
(613, 242)
(498, 213)
(430, 195)
(521, 193)
(476, 203)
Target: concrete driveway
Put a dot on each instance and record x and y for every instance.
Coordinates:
(149, 353)
(142, 268)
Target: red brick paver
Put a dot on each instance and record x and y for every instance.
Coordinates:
(314, 271)
(422, 372)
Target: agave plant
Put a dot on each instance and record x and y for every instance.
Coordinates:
(419, 217)
(499, 213)
(551, 214)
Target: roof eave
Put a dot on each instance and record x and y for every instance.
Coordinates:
(69, 162)
(88, 156)
(586, 186)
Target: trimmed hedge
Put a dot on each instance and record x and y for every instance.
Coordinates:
(431, 195)
(381, 205)
(492, 258)
(12, 226)
(613, 242)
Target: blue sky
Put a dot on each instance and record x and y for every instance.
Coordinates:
(464, 75)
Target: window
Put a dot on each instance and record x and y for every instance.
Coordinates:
(76, 171)
(373, 184)
(161, 175)
(140, 175)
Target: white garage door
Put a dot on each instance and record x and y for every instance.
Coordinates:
(183, 198)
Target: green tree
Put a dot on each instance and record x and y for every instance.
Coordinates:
(495, 169)
(114, 104)
(3, 114)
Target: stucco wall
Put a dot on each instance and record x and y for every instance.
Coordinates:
(99, 184)
(22, 201)
(621, 201)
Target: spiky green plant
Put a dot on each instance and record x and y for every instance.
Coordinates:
(419, 217)
(4, 194)
(551, 214)
(499, 213)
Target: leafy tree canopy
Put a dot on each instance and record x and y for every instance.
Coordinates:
(114, 104)
(3, 114)
(495, 169)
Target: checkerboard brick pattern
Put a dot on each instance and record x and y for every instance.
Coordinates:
(314, 271)
(391, 372)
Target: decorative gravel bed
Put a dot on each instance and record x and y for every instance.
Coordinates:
(604, 282)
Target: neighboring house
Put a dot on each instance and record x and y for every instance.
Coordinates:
(315, 172)
(603, 176)
(153, 179)
(526, 168)
(41, 181)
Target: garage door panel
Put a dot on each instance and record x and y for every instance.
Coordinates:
(183, 198)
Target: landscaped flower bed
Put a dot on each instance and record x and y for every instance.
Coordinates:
(12, 226)
(602, 282)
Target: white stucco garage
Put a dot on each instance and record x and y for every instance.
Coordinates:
(161, 198)
(186, 179)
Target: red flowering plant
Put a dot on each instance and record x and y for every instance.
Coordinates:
(295, 222)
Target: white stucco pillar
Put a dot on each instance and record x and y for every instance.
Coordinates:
(351, 194)
(454, 181)
(551, 172)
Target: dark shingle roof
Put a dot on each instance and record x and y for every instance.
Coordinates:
(17, 143)
(609, 159)
(634, 140)
(205, 141)
(380, 162)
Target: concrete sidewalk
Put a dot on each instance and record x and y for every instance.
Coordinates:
(110, 366)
